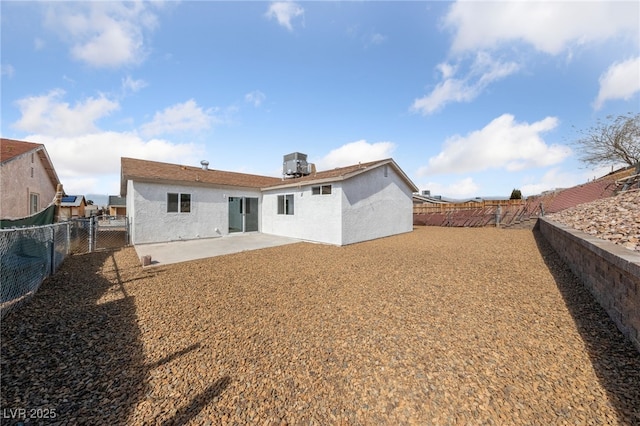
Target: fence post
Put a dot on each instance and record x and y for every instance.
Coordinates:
(498, 214)
(68, 225)
(91, 236)
(52, 252)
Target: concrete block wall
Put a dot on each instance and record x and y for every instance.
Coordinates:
(610, 272)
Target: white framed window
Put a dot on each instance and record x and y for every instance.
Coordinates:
(321, 190)
(285, 204)
(34, 203)
(178, 202)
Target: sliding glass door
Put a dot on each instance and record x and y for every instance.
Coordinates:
(243, 214)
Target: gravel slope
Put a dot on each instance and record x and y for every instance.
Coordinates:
(616, 219)
(439, 326)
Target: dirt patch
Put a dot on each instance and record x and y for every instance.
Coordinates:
(438, 326)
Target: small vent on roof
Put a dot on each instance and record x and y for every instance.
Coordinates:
(205, 165)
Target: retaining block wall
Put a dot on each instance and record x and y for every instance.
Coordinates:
(610, 272)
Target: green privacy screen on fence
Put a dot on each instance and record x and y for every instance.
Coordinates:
(45, 217)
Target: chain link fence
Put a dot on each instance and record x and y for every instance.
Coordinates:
(29, 255)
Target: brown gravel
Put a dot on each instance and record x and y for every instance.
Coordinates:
(615, 219)
(439, 326)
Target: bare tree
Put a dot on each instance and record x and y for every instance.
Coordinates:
(612, 142)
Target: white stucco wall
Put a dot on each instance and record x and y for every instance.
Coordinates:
(315, 218)
(375, 206)
(150, 221)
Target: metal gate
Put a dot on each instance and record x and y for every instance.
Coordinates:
(110, 232)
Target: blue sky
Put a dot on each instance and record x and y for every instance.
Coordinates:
(469, 98)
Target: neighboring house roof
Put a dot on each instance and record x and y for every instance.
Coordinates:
(11, 149)
(116, 201)
(417, 198)
(72, 201)
(151, 171)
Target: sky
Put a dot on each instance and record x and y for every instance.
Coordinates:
(469, 98)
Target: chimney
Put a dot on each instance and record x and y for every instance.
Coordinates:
(205, 165)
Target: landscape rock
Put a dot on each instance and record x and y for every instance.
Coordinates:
(438, 326)
(615, 219)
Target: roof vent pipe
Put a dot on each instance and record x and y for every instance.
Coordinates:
(205, 165)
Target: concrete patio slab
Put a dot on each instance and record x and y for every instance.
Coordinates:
(183, 251)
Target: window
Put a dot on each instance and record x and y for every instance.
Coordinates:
(32, 172)
(285, 204)
(34, 202)
(386, 171)
(321, 190)
(178, 203)
(185, 203)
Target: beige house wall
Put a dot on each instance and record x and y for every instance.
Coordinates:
(20, 177)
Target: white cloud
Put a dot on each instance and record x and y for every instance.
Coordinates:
(550, 27)
(284, 12)
(38, 43)
(554, 178)
(483, 71)
(186, 116)
(256, 98)
(503, 143)
(355, 152)
(87, 159)
(620, 81)
(463, 188)
(47, 114)
(131, 85)
(85, 162)
(103, 34)
(377, 38)
(8, 70)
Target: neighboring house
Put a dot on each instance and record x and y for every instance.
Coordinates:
(91, 210)
(28, 180)
(117, 206)
(72, 206)
(346, 205)
(420, 199)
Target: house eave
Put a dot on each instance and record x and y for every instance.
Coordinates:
(177, 182)
(292, 183)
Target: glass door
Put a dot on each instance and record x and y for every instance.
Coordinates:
(243, 214)
(250, 214)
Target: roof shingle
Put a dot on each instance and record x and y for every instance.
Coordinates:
(152, 171)
(10, 148)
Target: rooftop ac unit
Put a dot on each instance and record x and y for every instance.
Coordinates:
(295, 165)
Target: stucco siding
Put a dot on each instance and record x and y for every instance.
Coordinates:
(315, 217)
(150, 221)
(375, 206)
(17, 184)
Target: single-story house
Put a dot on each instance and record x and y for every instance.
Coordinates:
(168, 202)
(72, 206)
(28, 180)
(117, 206)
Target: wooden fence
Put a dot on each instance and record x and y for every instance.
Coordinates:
(427, 208)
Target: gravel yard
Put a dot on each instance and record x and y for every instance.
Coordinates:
(439, 326)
